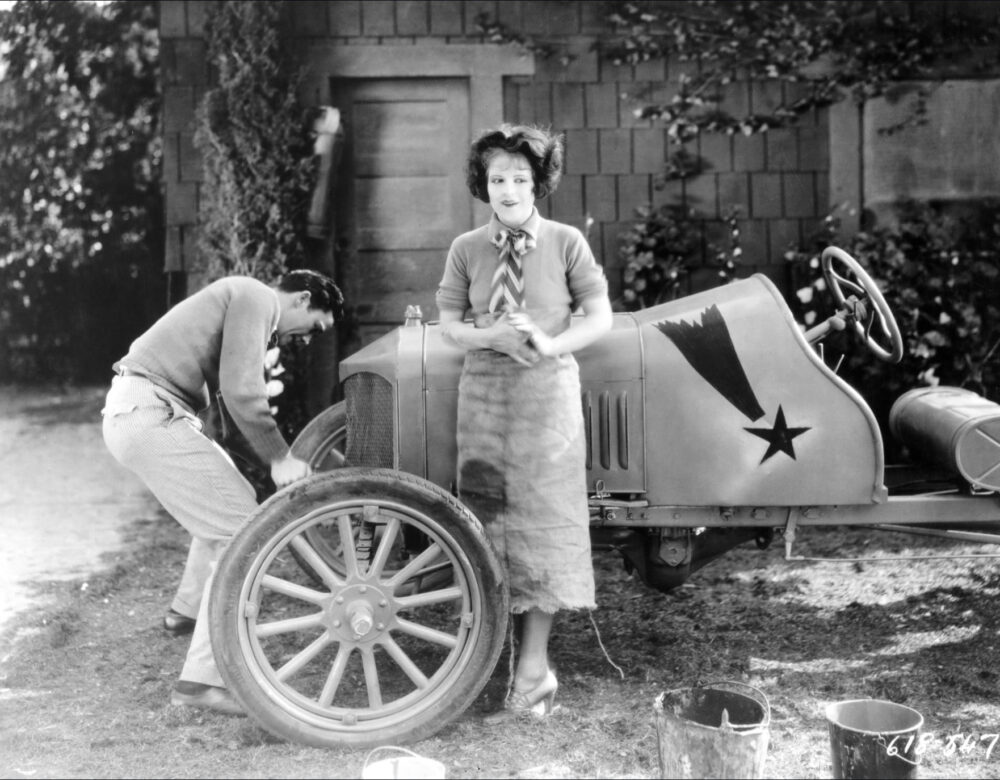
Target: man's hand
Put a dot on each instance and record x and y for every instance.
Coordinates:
(288, 470)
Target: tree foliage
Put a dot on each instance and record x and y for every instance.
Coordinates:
(253, 135)
(80, 207)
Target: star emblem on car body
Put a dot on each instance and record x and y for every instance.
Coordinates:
(779, 437)
(708, 347)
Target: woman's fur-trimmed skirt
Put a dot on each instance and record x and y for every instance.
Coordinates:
(522, 472)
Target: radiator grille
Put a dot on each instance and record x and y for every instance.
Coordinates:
(370, 431)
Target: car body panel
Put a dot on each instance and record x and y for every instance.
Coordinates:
(743, 412)
(711, 400)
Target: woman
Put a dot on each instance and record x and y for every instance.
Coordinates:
(521, 443)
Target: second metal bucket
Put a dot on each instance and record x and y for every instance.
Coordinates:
(871, 738)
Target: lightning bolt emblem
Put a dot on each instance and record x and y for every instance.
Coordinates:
(708, 348)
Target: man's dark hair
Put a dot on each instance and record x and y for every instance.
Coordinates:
(323, 293)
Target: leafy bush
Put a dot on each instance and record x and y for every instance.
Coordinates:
(655, 251)
(940, 274)
(661, 245)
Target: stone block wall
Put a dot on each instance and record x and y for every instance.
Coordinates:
(778, 182)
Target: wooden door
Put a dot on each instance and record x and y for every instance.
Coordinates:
(401, 194)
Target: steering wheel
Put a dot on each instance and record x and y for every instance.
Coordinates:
(863, 286)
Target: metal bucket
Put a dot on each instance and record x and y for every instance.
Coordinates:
(408, 765)
(871, 738)
(715, 730)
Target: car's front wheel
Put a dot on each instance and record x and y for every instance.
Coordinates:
(373, 653)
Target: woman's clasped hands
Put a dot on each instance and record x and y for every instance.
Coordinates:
(536, 337)
(516, 334)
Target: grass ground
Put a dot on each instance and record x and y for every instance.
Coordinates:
(85, 680)
(84, 687)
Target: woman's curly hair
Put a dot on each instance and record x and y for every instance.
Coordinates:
(542, 148)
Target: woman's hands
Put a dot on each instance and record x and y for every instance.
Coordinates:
(583, 331)
(544, 345)
(513, 341)
(498, 335)
(518, 335)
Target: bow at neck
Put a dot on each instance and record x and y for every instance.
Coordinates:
(517, 242)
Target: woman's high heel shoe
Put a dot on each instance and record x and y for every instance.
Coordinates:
(538, 702)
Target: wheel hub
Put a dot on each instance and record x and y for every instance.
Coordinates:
(361, 617)
(359, 613)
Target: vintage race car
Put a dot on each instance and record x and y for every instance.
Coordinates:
(365, 605)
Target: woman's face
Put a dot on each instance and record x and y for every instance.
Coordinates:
(511, 187)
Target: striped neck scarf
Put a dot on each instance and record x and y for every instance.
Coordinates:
(508, 279)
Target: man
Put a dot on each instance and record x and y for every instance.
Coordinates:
(213, 341)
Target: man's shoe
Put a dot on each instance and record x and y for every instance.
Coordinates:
(209, 697)
(178, 624)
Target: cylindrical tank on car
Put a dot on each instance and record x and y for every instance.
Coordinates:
(952, 427)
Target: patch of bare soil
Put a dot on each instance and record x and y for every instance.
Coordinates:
(83, 692)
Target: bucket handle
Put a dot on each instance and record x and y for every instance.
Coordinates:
(375, 750)
(759, 697)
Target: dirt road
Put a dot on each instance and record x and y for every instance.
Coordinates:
(63, 499)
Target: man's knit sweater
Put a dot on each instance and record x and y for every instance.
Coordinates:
(216, 340)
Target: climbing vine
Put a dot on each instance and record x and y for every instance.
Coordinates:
(824, 51)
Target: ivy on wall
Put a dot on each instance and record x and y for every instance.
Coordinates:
(252, 132)
(825, 51)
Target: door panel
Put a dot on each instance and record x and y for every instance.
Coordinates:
(401, 194)
(400, 139)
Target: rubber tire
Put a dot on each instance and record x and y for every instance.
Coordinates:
(323, 445)
(277, 707)
(323, 442)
